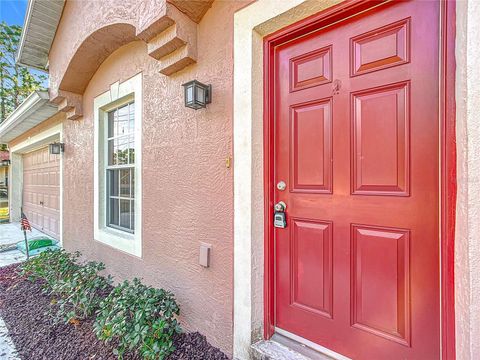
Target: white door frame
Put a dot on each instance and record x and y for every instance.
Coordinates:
(251, 25)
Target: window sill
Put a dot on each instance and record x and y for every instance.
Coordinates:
(120, 240)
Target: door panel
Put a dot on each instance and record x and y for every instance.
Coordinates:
(381, 140)
(381, 48)
(311, 147)
(311, 241)
(356, 142)
(388, 274)
(311, 69)
(41, 191)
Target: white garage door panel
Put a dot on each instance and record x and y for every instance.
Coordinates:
(41, 191)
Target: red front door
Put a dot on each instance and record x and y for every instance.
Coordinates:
(356, 142)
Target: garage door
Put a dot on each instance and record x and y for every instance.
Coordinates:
(41, 191)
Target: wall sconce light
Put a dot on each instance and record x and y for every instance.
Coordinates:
(56, 148)
(197, 95)
(5, 162)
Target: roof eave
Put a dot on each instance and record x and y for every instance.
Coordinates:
(36, 101)
(38, 61)
(26, 23)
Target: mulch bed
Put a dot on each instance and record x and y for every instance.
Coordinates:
(26, 312)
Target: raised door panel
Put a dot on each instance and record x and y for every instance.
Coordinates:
(380, 281)
(311, 264)
(311, 69)
(381, 48)
(311, 147)
(381, 141)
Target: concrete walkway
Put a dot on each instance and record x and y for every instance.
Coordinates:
(7, 348)
(11, 234)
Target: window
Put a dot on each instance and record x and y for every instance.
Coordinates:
(120, 169)
(117, 174)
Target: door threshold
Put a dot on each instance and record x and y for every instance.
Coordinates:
(276, 349)
(287, 346)
(305, 346)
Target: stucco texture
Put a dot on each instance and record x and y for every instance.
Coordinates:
(467, 245)
(82, 20)
(187, 187)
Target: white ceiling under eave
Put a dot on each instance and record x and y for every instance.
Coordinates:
(34, 110)
(41, 22)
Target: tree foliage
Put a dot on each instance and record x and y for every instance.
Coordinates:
(16, 81)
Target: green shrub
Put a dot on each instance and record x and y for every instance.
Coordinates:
(140, 319)
(77, 288)
(80, 293)
(135, 317)
(51, 267)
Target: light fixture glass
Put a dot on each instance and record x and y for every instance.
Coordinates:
(56, 148)
(197, 95)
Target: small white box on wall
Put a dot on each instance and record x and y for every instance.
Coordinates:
(205, 251)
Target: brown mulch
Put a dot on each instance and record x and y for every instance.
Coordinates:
(26, 312)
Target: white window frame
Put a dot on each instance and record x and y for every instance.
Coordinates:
(110, 168)
(119, 94)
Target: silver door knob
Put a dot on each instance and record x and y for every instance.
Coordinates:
(281, 185)
(280, 206)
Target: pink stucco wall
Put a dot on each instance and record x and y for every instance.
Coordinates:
(80, 19)
(187, 188)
